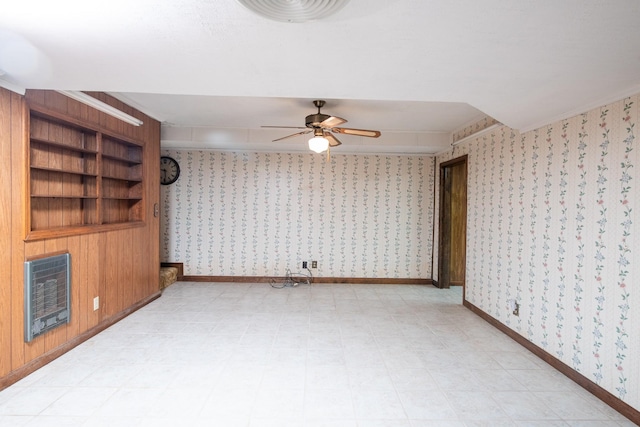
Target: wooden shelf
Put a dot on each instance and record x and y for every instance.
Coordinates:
(121, 198)
(80, 229)
(54, 196)
(121, 159)
(48, 169)
(62, 145)
(81, 179)
(118, 178)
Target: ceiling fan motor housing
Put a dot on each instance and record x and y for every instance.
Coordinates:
(314, 120)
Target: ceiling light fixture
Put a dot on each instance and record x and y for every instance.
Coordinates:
(294, 10)
(318, 143)
(99, 105)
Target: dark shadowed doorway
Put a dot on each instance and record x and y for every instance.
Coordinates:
(453, 223)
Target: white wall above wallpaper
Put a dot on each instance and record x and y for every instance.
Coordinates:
(552, 222)
(259, 214)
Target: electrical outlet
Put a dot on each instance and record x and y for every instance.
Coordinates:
(304, 264)
(314, 264)
(96, 303)
(514, 307)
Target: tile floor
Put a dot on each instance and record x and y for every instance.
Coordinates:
(211, 354)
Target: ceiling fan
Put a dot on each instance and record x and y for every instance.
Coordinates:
(323, 126)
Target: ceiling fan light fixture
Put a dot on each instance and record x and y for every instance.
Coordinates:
(318, 144)
(323, 127)
(294, 10)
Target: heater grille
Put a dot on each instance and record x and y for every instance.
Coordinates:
(47, 285)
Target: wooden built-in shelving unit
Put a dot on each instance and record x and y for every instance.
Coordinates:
(82, 179)
(77, 181)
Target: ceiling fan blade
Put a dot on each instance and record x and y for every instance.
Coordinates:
(284, 127)
(332, 121)
(359, 132)
(333, 141)
(292, 135)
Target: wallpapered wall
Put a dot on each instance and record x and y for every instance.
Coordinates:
(553, 223)
(257, 214)
(473, 128)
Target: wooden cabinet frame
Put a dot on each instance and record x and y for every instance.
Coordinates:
(81, 178)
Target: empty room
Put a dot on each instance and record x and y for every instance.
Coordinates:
(319, 213)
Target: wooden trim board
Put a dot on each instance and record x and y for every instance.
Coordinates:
(599, 392)
(346, 280)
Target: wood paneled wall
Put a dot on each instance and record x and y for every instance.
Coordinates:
(120, 266)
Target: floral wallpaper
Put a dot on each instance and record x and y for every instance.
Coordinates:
(259, 214)
(553, 223)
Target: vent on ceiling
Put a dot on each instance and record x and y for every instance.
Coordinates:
(47, 285)
(294, 10)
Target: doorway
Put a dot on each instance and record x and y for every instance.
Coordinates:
(453, 223)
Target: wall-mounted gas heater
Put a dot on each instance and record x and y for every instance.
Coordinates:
(47, 294)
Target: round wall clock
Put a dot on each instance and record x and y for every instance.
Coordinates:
(169, 170)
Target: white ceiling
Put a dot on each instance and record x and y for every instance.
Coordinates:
(215, 72)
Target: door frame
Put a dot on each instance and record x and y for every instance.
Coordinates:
(444, 214)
